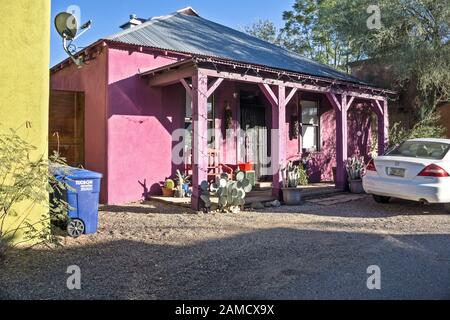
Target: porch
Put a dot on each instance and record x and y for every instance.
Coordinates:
(201, 78)
(261, 195)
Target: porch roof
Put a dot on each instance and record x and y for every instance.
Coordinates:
(219, 68)
(199, 37)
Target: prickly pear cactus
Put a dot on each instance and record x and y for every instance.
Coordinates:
(231, 194)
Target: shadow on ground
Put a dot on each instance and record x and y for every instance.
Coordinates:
(279, 263)
(367, 208)
(146, 208)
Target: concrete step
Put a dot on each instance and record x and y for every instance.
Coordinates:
(314, 194)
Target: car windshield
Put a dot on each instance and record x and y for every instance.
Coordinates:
(421, 149)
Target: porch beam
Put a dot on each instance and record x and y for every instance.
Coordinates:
(291, 95)
(214, 87)
(377, 106)
(350, 102)
(288, 84)
(199, 137)
(187, 87)
(270, 95)
(171, 76)
(334, 101)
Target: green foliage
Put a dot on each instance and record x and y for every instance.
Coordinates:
(264, 30)
(25, 184)
(311, 30)
(302, 176)
(428, 127)
(231, 194)
(414, 40)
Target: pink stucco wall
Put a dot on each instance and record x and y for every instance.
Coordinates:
(320, 165)
(141, 120)
(91, 79)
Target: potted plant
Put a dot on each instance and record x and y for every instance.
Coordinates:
(355, 166)
(293, 176)
(182, 185)
(168, 188)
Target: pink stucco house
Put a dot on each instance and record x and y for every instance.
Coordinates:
(183, 71)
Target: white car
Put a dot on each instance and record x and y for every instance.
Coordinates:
(417, 170)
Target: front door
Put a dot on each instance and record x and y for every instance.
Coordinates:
(253, 123)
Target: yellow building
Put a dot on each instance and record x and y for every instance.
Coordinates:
(24, 76)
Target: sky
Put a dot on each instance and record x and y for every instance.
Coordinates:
(108, 15)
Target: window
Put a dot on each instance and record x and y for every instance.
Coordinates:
(188, 122)
(310, 125)
(421, 149)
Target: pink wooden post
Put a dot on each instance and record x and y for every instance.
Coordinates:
(383, 127)
(341, 108)
(279, 144)
(278, 133)
(199, 136)
(381, 110)
(341, 144)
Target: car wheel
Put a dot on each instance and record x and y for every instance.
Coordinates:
(381, 199)
(75, 228)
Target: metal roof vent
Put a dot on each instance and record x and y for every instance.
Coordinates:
(134, 21)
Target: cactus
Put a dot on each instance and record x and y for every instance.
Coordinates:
(169, 184)
(182, 180)
(293, 175)
(355, 167)
(290, 176)
(231, 193)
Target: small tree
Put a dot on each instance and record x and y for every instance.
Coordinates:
(25, 184)
(264, 30)
(428, 127)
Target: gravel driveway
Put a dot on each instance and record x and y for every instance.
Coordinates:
(153, 251)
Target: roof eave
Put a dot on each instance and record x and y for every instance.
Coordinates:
(191, 57)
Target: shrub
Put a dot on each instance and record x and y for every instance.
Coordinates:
(25, 183)
(428, 127)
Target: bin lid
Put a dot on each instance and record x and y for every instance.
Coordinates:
(74, 173)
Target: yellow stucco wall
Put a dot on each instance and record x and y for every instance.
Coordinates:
(24, 75)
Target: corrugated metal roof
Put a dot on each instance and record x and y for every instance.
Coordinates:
(198, 36)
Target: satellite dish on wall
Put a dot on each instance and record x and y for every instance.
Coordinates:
(66, 25)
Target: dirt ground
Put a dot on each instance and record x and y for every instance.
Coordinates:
(154, 251)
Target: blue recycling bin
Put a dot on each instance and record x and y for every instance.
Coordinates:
(82, 194)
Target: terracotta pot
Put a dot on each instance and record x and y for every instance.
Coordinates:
(168, 192)
(292, 196)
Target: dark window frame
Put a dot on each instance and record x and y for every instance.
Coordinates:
(316, 126)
